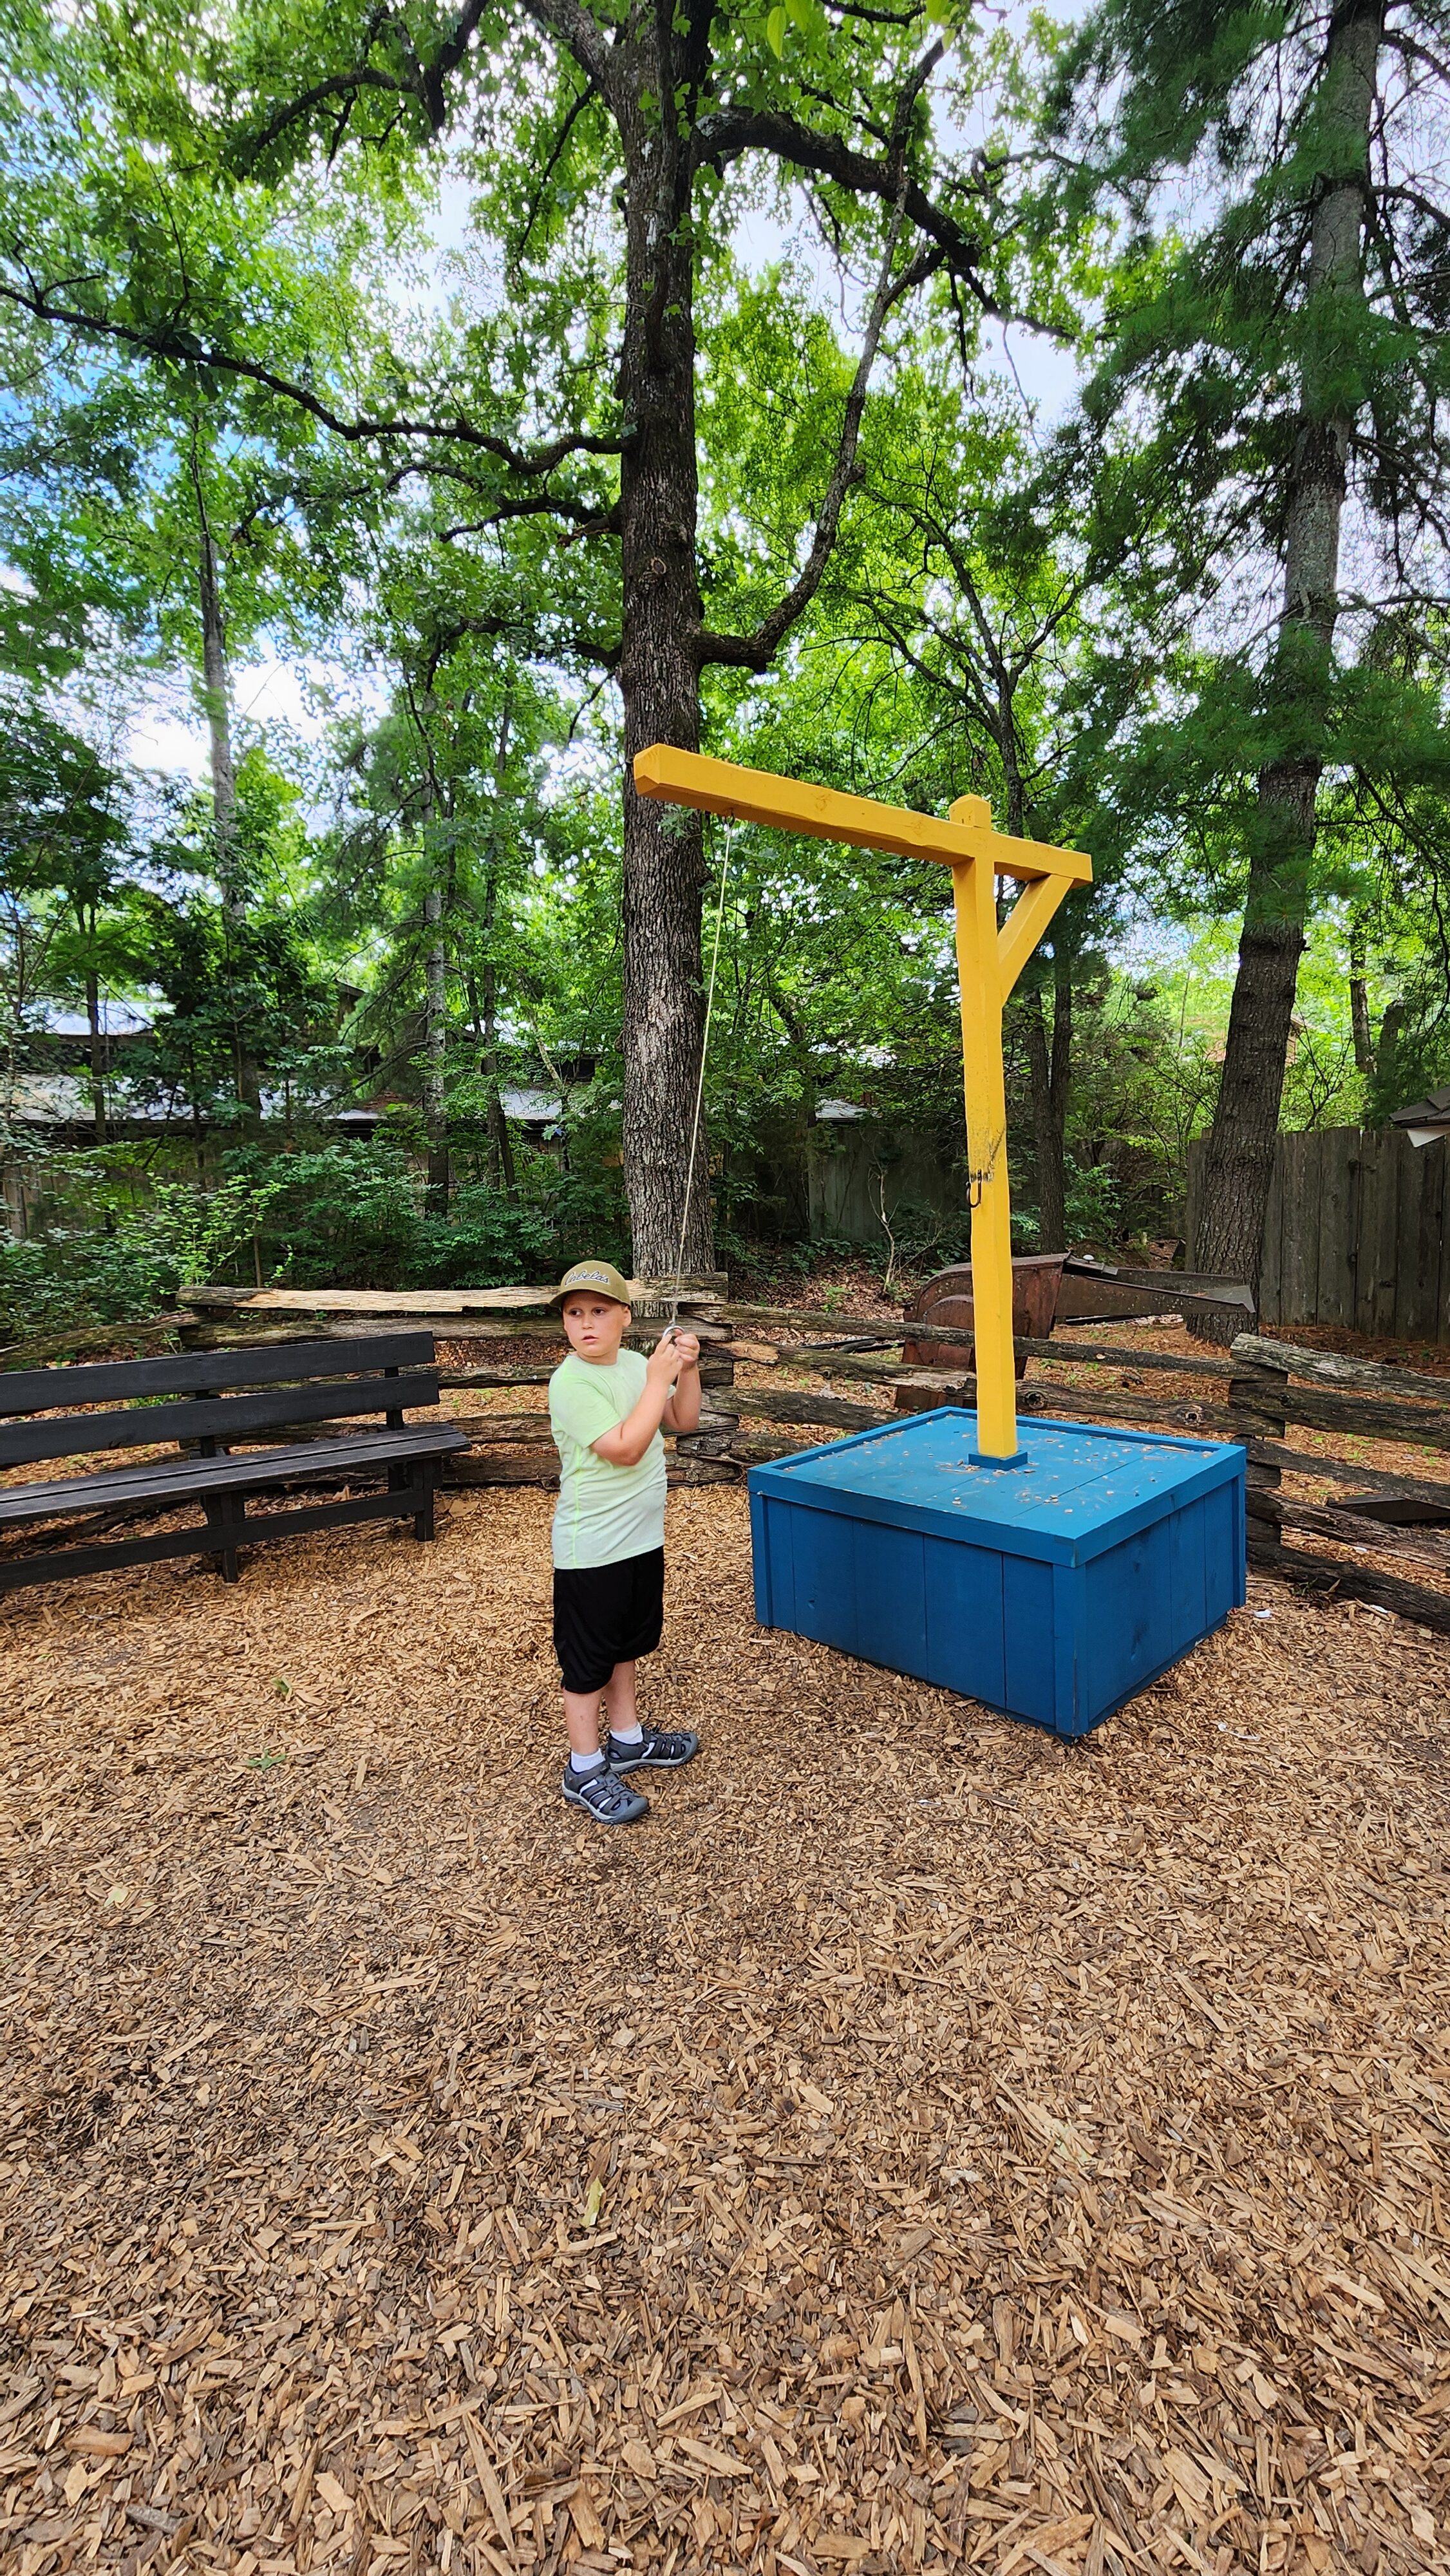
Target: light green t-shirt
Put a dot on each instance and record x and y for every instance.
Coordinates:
(603, 1513)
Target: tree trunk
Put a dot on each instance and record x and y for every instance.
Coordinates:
(1239, 1161)
(1359, 1000)
(98, 1057)
(435, 1028)
(659, 681)
(1049, 1069)
(217, 699)
(500, 1146)
(500, 1149)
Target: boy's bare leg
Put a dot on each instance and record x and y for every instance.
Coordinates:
(620, 1705)
(581, 1716)
(629, 1745)
(589, 1781)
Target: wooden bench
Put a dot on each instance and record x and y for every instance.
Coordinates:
(197, 1401)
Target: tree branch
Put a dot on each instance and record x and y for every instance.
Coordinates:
(756, 652)
(423, 81)
(733, 131)
(573, 28)
(556, 151)
(344, 85)
(589, 520)
(182, 348)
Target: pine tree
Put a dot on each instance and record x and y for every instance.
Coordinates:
(1292, 348)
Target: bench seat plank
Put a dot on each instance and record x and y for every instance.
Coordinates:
(163, 1479)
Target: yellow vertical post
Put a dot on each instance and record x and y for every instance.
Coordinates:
(980, 979)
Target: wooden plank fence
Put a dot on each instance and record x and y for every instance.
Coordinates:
(1253, 1393)
(1354, 1234)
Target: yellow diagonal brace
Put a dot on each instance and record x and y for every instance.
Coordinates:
(1025, 925)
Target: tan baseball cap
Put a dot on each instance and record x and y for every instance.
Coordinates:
(599, 1275)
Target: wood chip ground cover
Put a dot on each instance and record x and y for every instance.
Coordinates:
(915, 2146)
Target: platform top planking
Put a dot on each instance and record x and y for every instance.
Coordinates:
(1082, 1488)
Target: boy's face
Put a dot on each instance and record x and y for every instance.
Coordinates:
(595, 1325)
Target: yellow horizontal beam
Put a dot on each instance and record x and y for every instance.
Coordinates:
(672, 777)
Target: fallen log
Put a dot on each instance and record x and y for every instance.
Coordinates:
(772, 1404)
(1360, 1416)
(924, 1390)
(1335, 1471)
(1352, 1583)
(1352, 1529)
(1336, 1368)
(534, 1467)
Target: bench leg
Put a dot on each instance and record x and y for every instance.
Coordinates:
(422, 1487)
(226, 1515)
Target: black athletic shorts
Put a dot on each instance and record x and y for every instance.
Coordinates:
(606, 1615)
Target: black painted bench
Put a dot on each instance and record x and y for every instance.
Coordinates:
(206, 1401)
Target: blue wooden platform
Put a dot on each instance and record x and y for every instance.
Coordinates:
(1054, 1590)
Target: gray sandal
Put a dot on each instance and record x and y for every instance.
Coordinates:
(659, 1750)
(603, 1797)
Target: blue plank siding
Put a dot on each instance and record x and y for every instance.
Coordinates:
(1056, 1590)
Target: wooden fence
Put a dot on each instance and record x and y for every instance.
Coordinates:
(1256, 1393)
(1354, 1235)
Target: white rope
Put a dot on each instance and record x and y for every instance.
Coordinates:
(700, 1085)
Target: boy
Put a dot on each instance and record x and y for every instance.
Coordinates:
(606, 1406)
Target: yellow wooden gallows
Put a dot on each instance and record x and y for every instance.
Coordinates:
(989, 960)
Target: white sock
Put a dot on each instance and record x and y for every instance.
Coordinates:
(627, 1734)
(585, 1761)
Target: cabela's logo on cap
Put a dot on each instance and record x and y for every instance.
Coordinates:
(595, 1274)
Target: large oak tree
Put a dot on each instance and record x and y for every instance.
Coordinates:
(607, 153)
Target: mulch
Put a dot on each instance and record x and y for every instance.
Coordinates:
(916, 2145)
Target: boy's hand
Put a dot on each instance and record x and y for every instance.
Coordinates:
(663, 1364)
(687, 1349)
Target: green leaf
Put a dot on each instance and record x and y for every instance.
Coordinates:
(775, 32)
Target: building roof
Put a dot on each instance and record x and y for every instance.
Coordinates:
(117, 1019)
(1425, 1120)
(532, 1108)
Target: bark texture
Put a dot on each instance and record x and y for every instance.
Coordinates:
(1359, 1019)
(1049, 1064)
(435, 1039)
(500, 1148)
(664, 1012)
(216, 695)
(1239, 1162)
(98, 1056)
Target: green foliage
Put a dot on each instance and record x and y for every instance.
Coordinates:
(203, 295)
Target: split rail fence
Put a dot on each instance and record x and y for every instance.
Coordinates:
(1259, 1392)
